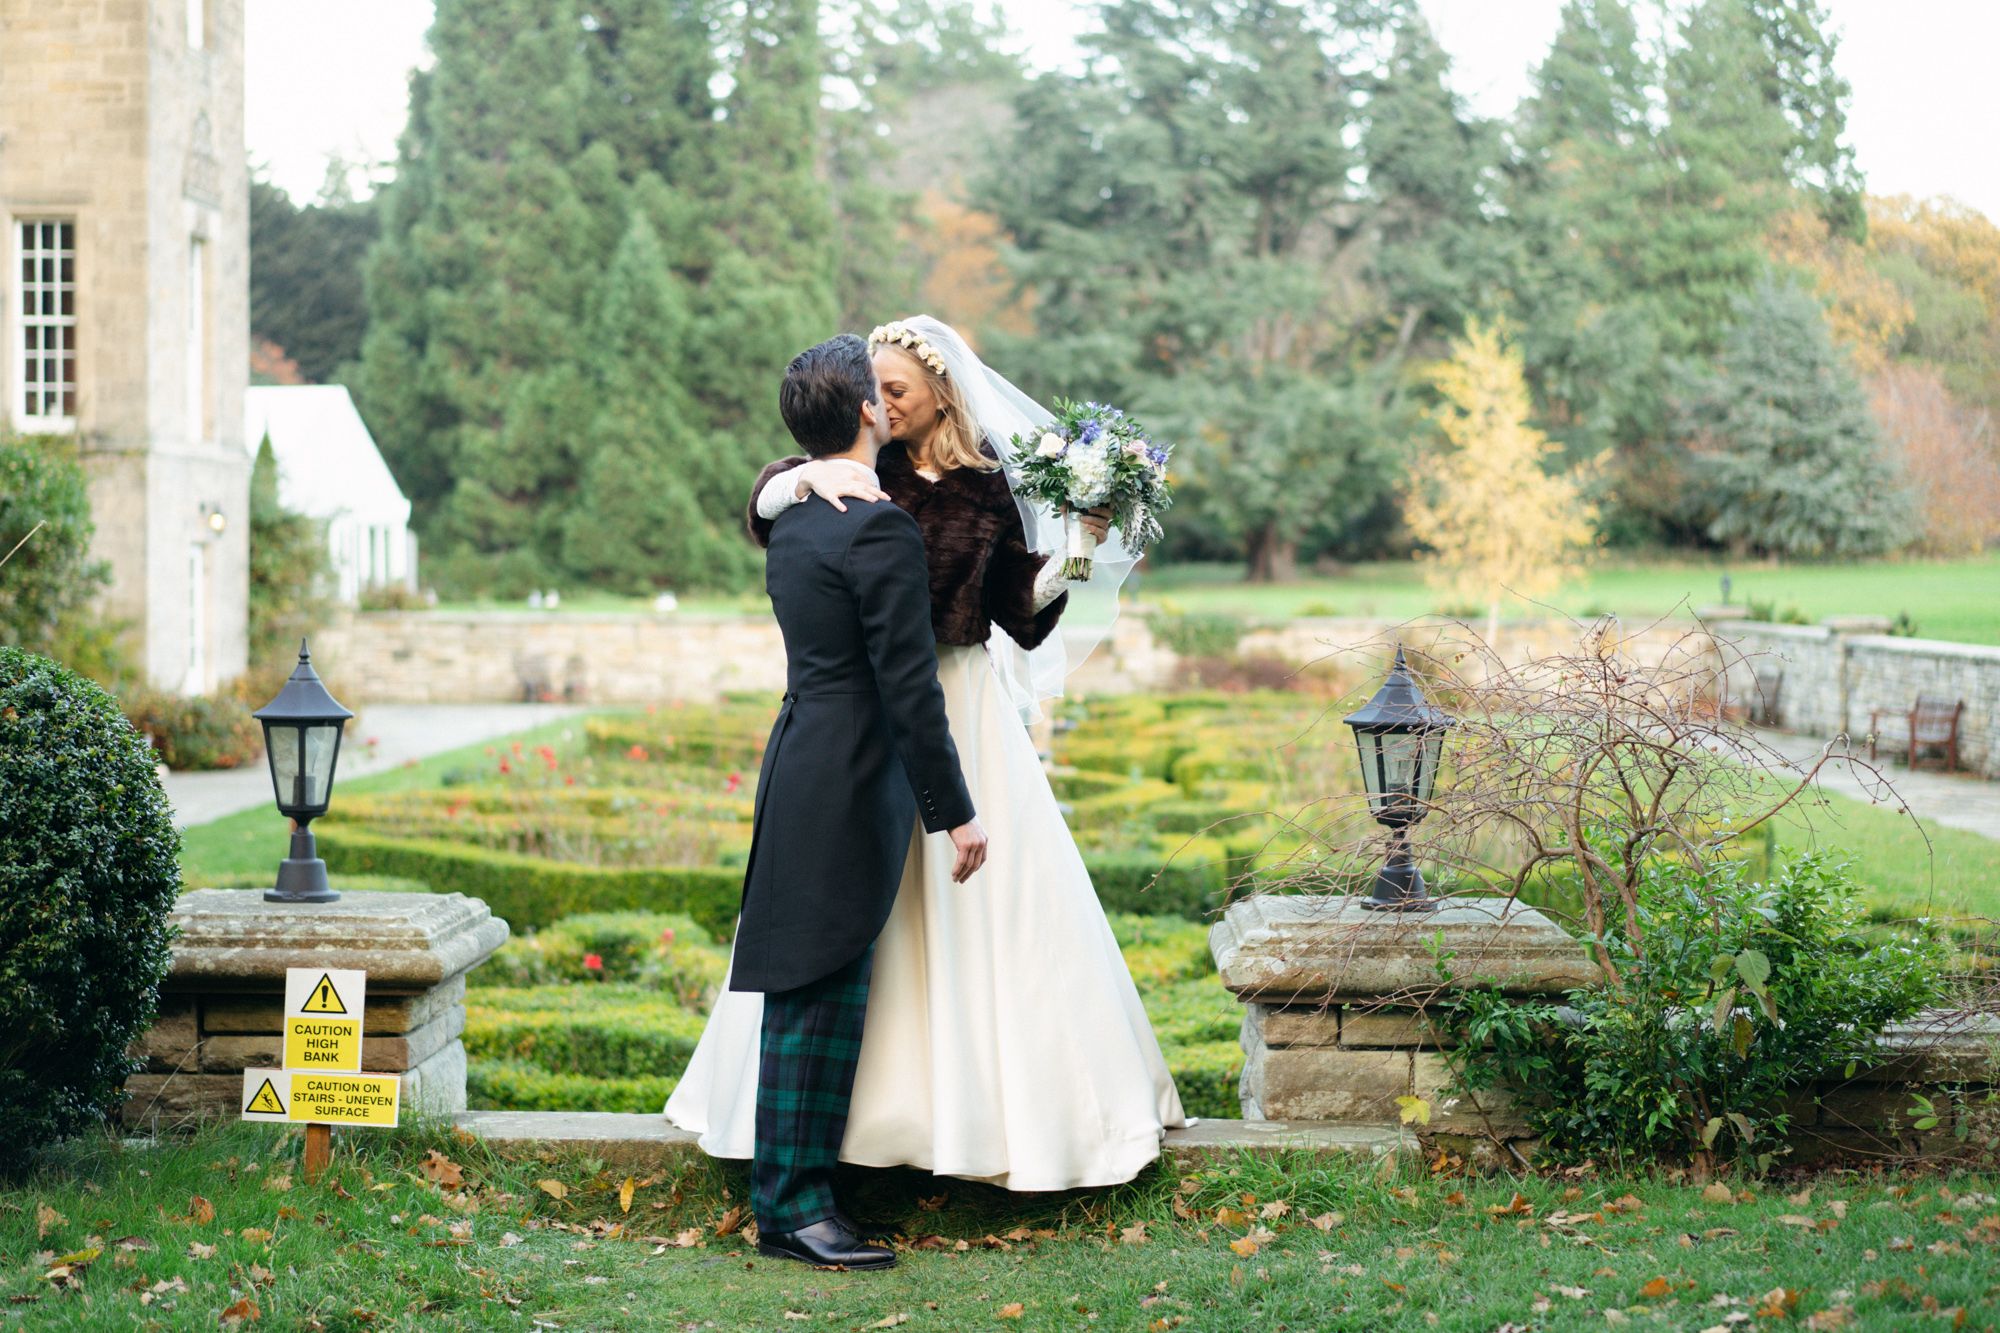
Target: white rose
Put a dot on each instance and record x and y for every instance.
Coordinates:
(1052, 445)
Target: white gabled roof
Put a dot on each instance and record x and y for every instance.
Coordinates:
(328, 464)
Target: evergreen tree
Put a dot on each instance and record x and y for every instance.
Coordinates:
(1183, 212)
(1429, 169)
(306, 293)
(1728, 142)
(647, 514)
(1813, 96)
(474, 375)
(1575, 201)
(1784, 456)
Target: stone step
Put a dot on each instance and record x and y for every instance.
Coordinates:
(634, 1139)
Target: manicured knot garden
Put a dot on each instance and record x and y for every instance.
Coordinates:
(616, 854)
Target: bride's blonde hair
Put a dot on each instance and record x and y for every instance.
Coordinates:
(956, 440)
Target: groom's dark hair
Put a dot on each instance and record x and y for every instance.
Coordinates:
(823, 391)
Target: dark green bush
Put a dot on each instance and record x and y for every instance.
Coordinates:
(89, 871)
(668, 954)
(195, 731)
(1746, 994)
(51, 578)
(1201, 633)
(517, 1085)
(530, 893)
(1187, 886)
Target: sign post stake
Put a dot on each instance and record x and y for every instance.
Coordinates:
(319, 1150)
(320, 1082)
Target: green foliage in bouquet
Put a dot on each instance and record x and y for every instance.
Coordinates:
(1093, 455)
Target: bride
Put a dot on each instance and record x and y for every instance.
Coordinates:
(1005, 1041)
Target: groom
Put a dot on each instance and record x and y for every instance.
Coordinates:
(860, 751)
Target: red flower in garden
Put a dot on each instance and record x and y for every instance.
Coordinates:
(667, 937)
(636, 752)
(569, 780)
(593, 962)
(651, 709)
(517, 749)
(735, 781)
(506, 767)
(547, 755)
(374, 741)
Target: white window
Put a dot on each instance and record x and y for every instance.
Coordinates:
(45, 324)
(197, 22)
(197, 342)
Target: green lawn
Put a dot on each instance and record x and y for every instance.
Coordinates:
(1949, 599)
(386, 1241)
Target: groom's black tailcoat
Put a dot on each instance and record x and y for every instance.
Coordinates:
(861, 749)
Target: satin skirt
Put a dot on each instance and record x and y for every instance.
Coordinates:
(1005, 1041)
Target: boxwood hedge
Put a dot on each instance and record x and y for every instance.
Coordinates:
(89, 870)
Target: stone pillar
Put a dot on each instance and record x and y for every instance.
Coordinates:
(1843, 630)
(223, 998)
(1335, 1024)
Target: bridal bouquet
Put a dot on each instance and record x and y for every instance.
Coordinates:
(1094, 455)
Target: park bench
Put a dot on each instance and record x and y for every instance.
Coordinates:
(1932, 721)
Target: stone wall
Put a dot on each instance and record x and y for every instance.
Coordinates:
(110, 117)
(1334, 1030)
(448, 657)
(1835, 673)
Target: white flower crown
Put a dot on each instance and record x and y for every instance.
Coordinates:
(908, 338)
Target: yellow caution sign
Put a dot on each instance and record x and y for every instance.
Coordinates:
(331, 1045)
(322, 1099)
(324, 998)
(346, 1099)
(265, 1100)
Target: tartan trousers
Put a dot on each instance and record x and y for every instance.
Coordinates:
(810, 1046)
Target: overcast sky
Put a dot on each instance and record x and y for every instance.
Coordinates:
(330, 79)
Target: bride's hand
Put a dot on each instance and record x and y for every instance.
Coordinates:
(1097, 522)
(831, 479)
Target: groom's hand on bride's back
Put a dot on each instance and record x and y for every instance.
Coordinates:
(970, 840)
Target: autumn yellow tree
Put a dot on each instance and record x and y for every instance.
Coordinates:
(1494, 519)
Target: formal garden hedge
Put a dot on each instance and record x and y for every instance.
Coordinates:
(626, 849)
(602, 1011)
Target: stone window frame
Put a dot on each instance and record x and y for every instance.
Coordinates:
(24, 326)
(197, 24)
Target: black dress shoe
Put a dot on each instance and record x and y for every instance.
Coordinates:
(831, 1243)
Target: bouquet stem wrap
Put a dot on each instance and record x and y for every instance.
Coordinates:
(1081, 548)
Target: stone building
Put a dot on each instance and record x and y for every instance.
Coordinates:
(124, 195)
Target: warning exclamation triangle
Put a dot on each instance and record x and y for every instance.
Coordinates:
(266, 1101)
(324, 998)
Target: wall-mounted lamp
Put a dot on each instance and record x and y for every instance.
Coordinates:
(218, 522)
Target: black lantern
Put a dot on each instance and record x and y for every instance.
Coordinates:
(1400, 737)
(302, 740)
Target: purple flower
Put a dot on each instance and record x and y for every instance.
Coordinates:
(1091, 430)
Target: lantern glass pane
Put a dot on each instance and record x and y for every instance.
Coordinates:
(1371, 773)
(285, 752)
(319, 761)
(1433, 752)
(1401, 754)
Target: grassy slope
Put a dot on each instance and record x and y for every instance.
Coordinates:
(377, 1252)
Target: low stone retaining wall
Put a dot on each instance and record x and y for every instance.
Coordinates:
(466, 657)
(222, 1004)
(1334, 1031)
(1834, 673)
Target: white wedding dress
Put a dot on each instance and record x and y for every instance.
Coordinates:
(1005, 1041)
